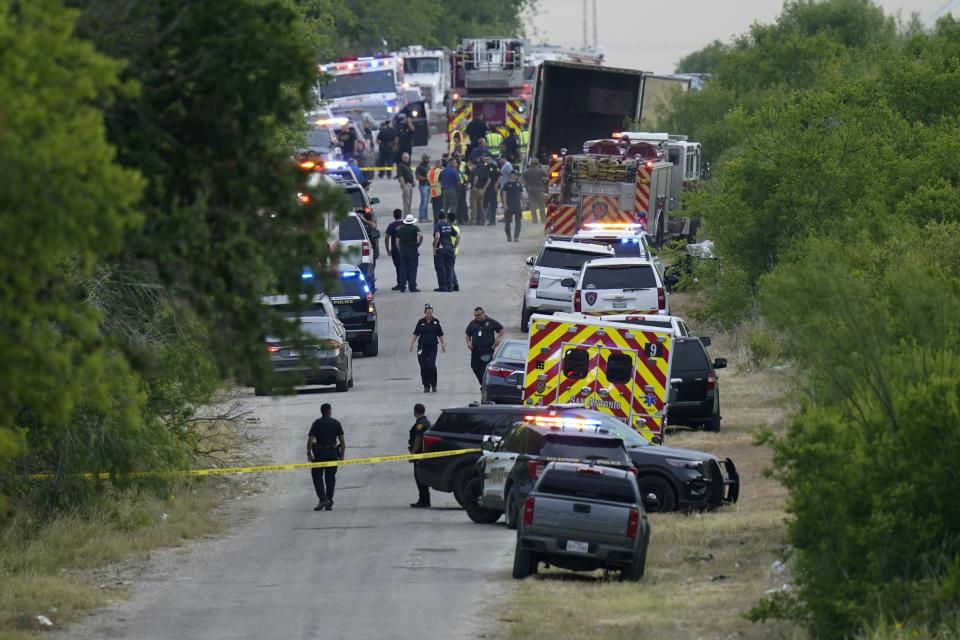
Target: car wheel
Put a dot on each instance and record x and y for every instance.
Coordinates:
(525, 318)
(657, 494)
(523, 563)
(635, 570)
(510, 515)
(460, 480)
(343, 386)
(471, 502)
(713, 425)
(350, 382)
(372, 348)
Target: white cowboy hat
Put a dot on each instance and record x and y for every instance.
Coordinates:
(410, 219)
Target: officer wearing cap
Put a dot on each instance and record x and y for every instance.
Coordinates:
(426, 335)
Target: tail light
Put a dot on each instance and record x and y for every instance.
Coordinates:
(272, 348)
(576, 301)
(661, 299)
(711, 380)
(633, 470)
(329, 345)
(534, 469)
(365, 249)
(632, 524)
(500, 372)
(528, 507)
(304, 198)
(594, 471)
(534, 281)
(429, 442)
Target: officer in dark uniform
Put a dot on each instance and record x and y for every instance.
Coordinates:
(325, 442)
(426, 334)
(483, 336)
(415, 445)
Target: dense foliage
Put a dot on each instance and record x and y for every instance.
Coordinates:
(835, 139)
(148, 202)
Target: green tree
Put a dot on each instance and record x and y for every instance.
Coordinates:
(64, 205)
(706, 60)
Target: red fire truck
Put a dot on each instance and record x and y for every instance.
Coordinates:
(487, 78)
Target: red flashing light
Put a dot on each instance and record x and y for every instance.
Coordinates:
(633, 523)
(429, 442)
(304, 198)
(272, 348)
(455, 96)
(528, 508)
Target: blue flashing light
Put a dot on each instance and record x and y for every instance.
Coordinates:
(306, 275)
(349, 274)
(335, 164)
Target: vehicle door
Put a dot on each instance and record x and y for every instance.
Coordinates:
(417, 113)
(556, 264)
(499, 464)
(577, 378)
(350, 299)
(615, 382)
(619, 288)
(354, 244)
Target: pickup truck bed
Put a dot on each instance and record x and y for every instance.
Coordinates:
(583, 517)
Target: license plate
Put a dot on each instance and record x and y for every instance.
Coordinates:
(578, 547)
(294, 353)
(619, 304)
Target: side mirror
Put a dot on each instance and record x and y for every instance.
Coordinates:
(531, 260)
(569, 283)
(705, 341)
(720, 363)
(374, 200)
(671, 279)
(487, 445)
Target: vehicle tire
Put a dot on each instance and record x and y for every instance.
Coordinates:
(635, 571)
(523, 563)
(471, 502)
(657, 494)
(460, 480)
(510, 514)
(350, 382)
(372, 348)
(713, 425)
(525, 318)
(343, 386)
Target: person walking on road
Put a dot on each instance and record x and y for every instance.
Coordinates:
(423, 186)
(392, 243)
(436, 194)
(483, 336)
(406, 180)
(325, 443)
(415, 445)
(409, 239)
(513, 204)
(444, 246)
(426, 335)
(450, 184)
(535, 180)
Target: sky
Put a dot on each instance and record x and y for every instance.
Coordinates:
(653, 36)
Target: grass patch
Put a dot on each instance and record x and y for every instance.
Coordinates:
(704, 571)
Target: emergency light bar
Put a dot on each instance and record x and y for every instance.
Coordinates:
(560, 421)
(331, 122)
(335, 165)
(356, 65)
(602, 226)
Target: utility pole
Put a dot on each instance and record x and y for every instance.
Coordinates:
(594, 24)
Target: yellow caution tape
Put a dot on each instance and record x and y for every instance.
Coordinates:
(273, 467)
(378, 168)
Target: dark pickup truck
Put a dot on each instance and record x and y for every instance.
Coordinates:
(583, 517)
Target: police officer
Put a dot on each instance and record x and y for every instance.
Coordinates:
(426, 334)
(415, 445)
(444, 251)
(325, 443)
(483, 336)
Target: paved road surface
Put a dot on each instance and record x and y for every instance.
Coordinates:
(373, 567)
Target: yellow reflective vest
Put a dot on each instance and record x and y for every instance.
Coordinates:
(494, 140)
(433, 179)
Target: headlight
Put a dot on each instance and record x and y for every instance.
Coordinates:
(693, 465)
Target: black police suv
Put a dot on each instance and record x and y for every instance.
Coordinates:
(508, 473)
(697, 400)
(503, 379)
(356, 309)
(669, 478)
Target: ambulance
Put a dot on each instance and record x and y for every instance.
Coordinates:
(621, 369)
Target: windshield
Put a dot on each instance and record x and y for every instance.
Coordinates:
(317, 137)
(620, 277)
(356, 198)
(421, 65)
(565, 258)
(358, 84)
(689, 355)
(582, 448)
(513, 351)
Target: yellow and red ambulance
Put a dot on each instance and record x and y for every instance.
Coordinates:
(619, 369)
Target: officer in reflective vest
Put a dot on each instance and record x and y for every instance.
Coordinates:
(524, 141)
(494, 140)
(436, 193)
